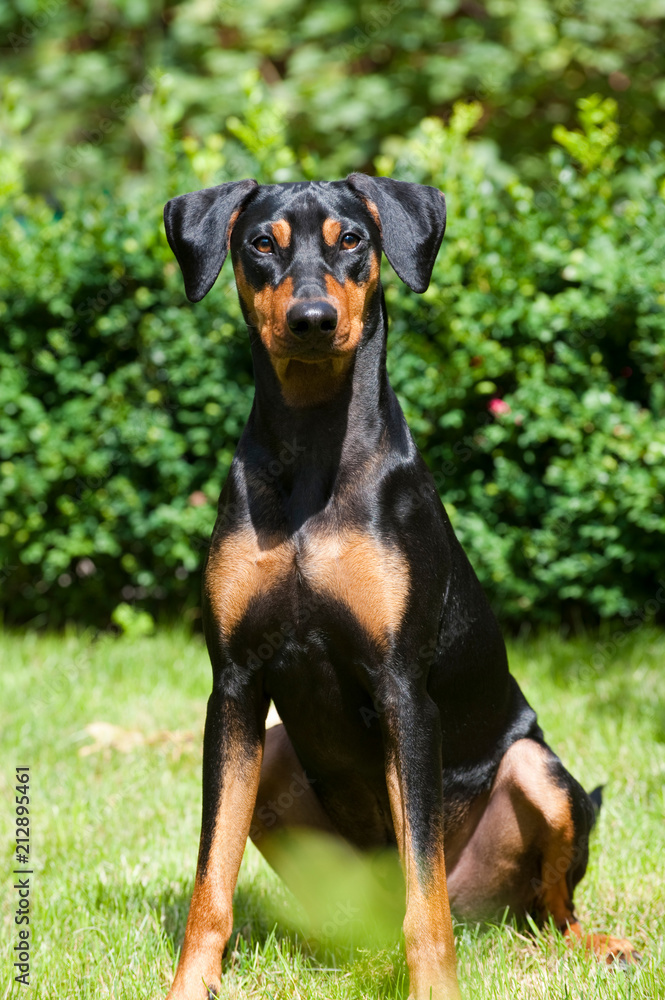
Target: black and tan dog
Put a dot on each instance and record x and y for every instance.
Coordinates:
(336, 587)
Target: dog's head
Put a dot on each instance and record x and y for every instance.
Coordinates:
(306, 258)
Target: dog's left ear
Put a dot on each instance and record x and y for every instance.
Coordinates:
(412, 220)
(198, 228)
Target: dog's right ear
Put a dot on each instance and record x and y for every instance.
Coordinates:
(198, 228)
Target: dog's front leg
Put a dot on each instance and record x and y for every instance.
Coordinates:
(232, 753)
(412, 739)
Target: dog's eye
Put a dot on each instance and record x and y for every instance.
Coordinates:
(263, 244)
(350, 241)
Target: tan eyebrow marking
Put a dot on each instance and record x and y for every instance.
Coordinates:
(373, 211)
(281, 230)
(331, 231)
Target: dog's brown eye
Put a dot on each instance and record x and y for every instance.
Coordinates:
(263, 244)
(350, 241)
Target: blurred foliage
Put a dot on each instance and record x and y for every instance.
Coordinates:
(348, 75)
(531, 371)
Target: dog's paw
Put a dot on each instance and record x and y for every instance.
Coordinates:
(617, 951)
(205, 988)
(612, 950)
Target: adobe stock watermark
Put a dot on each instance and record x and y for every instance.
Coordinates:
(119, 110)
(31, 26)
(367, 33)
(414, 671)
(270, 812)
(554, 871)
(273, 641)
(88, 311)
(462, 451)
(54, 683)
(605, 650)
(342, 915)
(266, 475)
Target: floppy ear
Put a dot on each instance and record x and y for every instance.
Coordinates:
(412, 220)
(198, 228)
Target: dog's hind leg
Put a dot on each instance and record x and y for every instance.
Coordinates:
(348, 893)
(285, 799)
(530, 848)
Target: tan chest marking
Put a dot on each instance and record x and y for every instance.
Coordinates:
(241, 569)
(369, 577)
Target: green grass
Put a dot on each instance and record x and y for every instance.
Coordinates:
(115, 833)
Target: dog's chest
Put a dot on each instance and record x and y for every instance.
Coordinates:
(247, 575)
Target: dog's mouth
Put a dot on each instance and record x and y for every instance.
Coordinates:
(308, 381)
(308, 354)
(311, 365)
(285, 347)
(334, 347)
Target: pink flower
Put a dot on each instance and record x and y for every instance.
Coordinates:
(197, 499)
(498, 407)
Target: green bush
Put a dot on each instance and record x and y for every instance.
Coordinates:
(531, 372)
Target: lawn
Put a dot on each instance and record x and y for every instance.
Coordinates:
(115, 822)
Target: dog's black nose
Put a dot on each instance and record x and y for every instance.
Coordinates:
(312, 317)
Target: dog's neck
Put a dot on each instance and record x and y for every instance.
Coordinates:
(305, 454)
